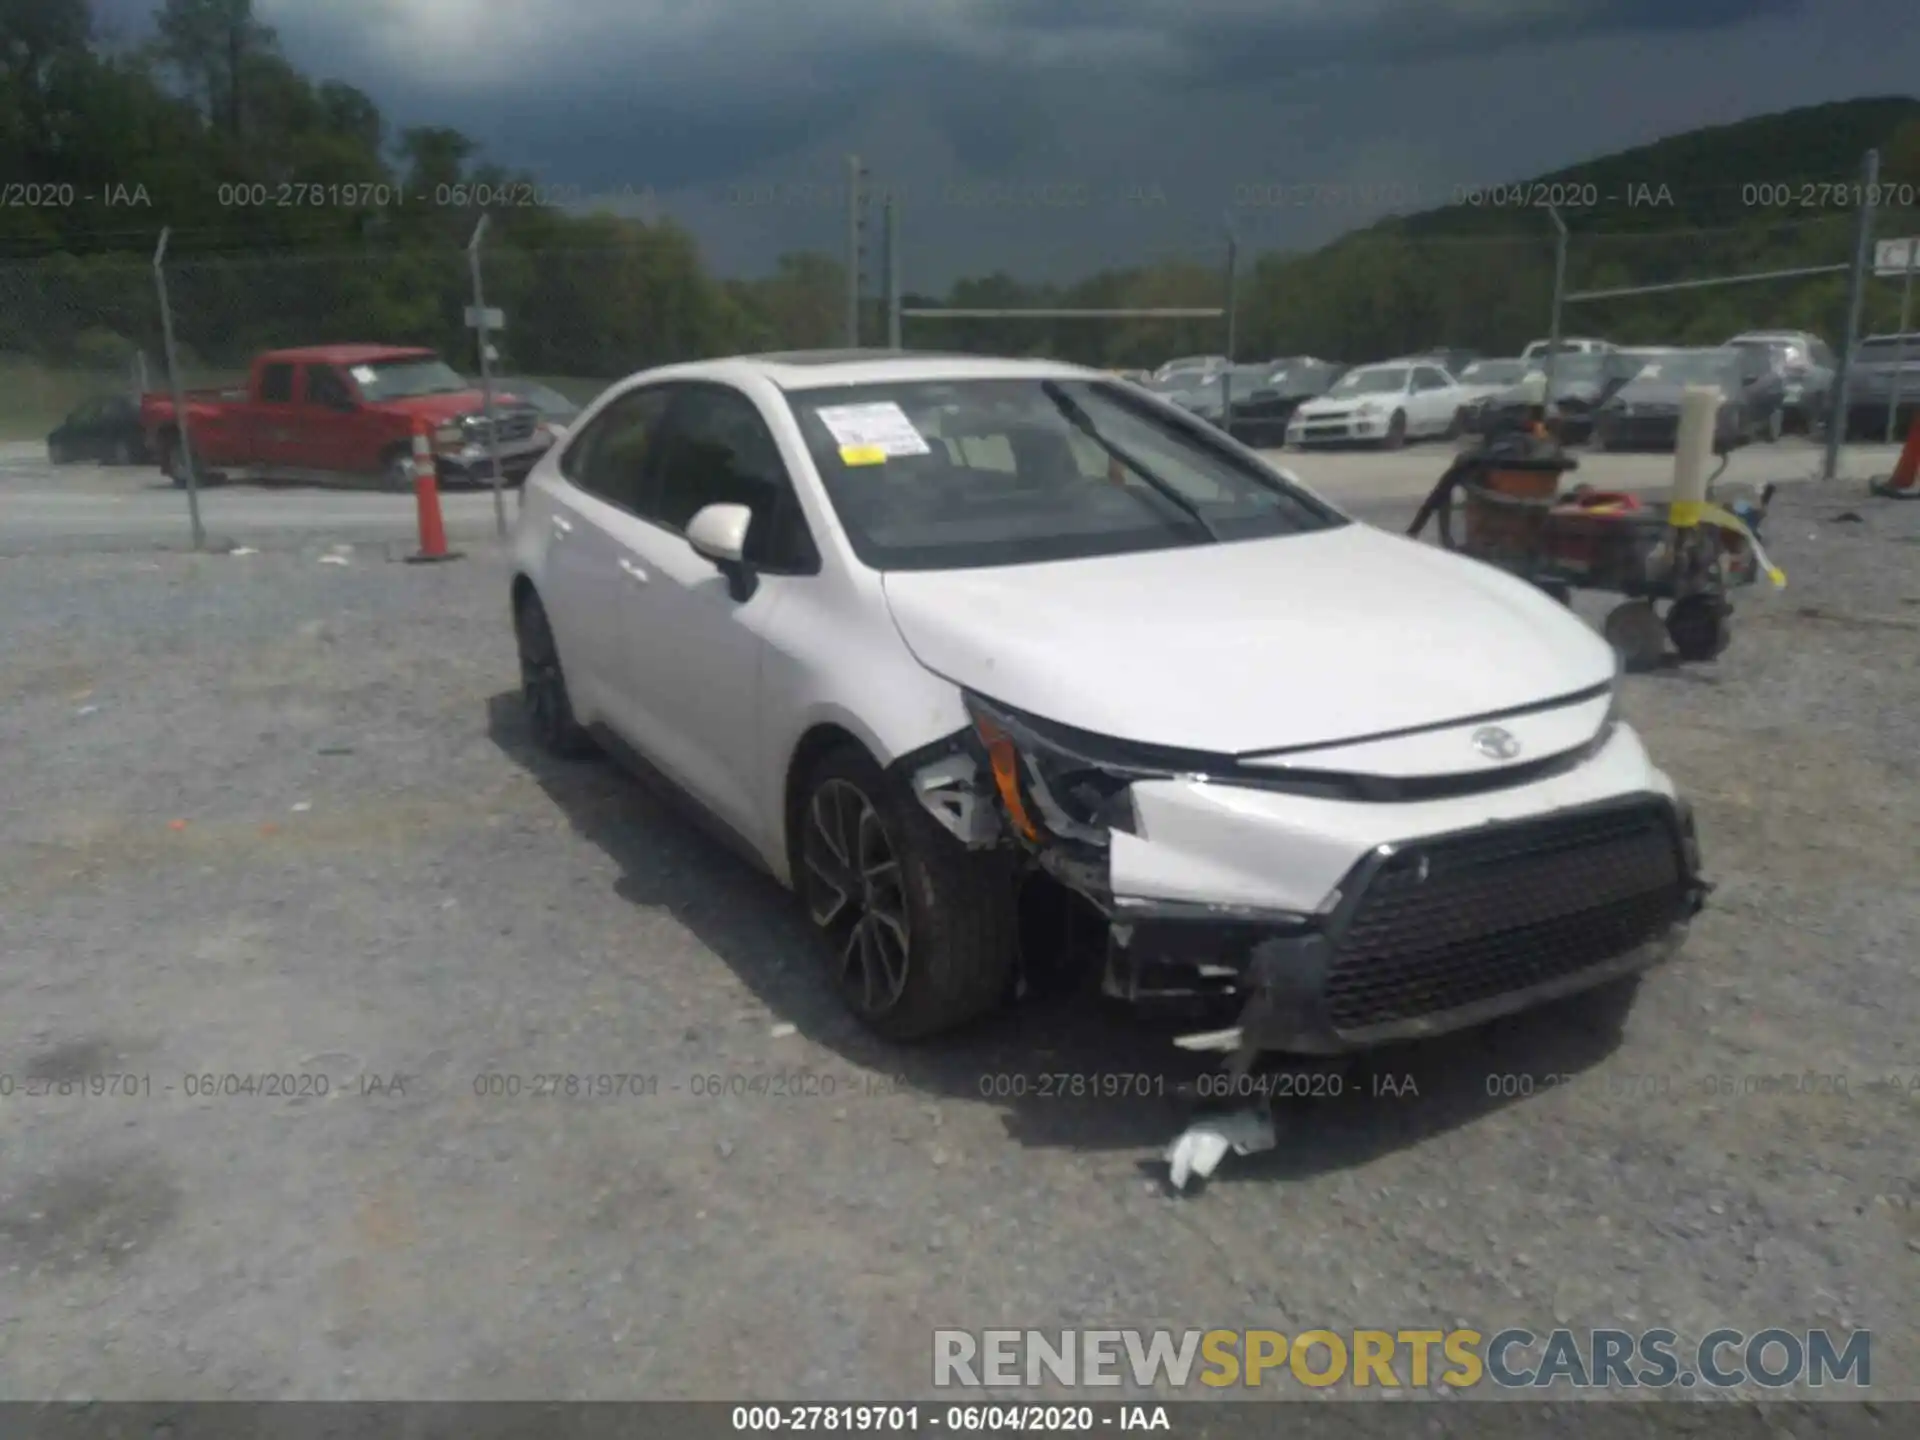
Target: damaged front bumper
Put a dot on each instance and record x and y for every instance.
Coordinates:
(1279, 920)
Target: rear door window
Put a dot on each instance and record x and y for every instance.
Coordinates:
(276, 384)
(609, 459)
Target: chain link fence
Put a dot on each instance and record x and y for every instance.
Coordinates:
(579, 318)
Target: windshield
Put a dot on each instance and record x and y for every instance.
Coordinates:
(1701, 368)
(547, 401)
(1879, 349)
(1388, 380)
(944, 475)
(1577, 369)
(399, 379)
(1307, 379)
(1493, 372)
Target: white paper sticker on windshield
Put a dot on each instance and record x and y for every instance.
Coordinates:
(883, 427)
(363, 373)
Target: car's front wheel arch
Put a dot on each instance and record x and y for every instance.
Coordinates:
(820, 741)
(948, 910)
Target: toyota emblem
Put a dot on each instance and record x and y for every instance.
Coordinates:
(1494, 743)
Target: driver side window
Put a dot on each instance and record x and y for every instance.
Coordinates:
(716, 449)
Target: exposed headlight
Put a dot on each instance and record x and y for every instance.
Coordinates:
(1049, 785)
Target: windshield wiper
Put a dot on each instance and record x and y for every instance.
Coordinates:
(1081, 421)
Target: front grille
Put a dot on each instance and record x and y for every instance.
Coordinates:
(511, 425)
(1466, 919)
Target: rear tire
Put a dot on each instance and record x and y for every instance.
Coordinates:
(123, 453)
(918, 931)
(1637, 636)
(1456, 426)
(543, 686)
(1698, 626)
(170, 461)
(396, 472)
(58, 455)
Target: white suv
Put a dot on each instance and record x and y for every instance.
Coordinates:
(1568, 345)
(913, 629)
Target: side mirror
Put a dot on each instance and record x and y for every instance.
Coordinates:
(719, 533)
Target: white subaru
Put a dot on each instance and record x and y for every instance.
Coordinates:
(917, 629)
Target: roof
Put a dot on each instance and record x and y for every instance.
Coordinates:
(826, 369)
(348, 354)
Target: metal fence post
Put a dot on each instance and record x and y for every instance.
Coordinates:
(1856, 298)
(1226, 375)
(1559, 301)
(893, 270)
(853, 252)
(486, 377)
(1906, 318)
(185, 456)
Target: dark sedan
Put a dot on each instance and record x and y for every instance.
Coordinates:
(1886, 376)
(1644, 414)
(1261, 416)
(1582, 384)
(105, 429)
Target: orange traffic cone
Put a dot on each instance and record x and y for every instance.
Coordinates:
(426, 500)
(1904, 483)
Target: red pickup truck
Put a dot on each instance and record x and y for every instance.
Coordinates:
(331, 411)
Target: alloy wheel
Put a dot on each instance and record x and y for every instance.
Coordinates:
(856, 894)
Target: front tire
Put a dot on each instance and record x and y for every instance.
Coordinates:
(1396, 431)
(543, 686)
(918, 931)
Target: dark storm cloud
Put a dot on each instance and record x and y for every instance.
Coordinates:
(603, 90)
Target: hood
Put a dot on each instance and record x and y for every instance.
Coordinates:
(1653, 392)
(1251, 646)
(1474, 390)
(446, 407)
(1588, 390)
(1341, 404)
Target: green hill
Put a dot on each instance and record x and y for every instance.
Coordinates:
(1771, 193)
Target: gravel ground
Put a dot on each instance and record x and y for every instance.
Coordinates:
(270, 816)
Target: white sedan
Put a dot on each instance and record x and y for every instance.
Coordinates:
(916, 630)
(1384, 405)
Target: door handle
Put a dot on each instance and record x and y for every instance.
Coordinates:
(562, 526)
(632, 571)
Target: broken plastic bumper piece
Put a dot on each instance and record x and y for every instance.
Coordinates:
(1429, 937)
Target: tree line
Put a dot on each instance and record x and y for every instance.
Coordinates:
(209, 107)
